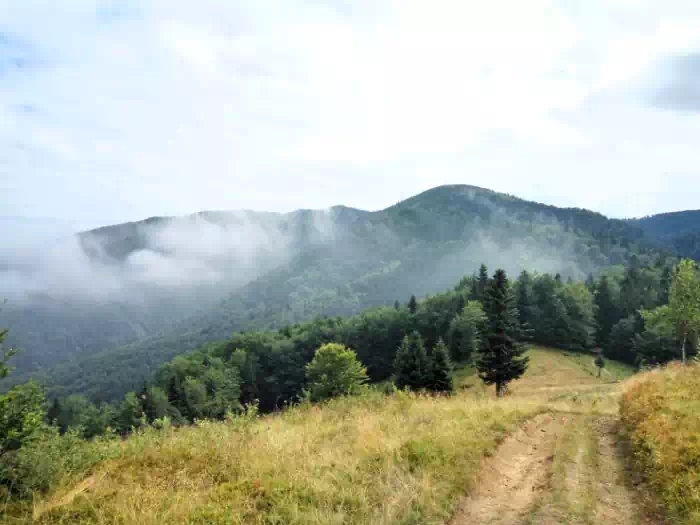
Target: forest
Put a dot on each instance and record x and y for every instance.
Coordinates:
(339, 262)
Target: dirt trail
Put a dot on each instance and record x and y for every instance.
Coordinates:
(556, 469)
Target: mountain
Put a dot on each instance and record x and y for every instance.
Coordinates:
(678, 232)
(131, 296)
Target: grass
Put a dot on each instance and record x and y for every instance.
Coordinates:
(661, 414)
(402, 459)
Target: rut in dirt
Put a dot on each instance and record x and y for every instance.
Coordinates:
(557, 469)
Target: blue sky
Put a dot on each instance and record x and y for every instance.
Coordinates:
(113, 111)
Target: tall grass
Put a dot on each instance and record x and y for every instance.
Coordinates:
(373, 459)
(661, 413)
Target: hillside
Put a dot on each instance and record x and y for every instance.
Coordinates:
(182, 282)
(678, 232)
(372, 459)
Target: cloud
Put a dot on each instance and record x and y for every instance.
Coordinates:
(680, 85)
(112, 112)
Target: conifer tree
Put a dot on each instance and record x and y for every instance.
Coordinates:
(501, 358)
(607, 314)
(440, 379)
(412, 304)
(411, 365)
(525, 304)
(397, 306)
(483, 281)
(474, 289)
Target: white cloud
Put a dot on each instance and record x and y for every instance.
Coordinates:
(120, 111)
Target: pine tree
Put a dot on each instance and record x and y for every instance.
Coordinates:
(474, 289)
(525, 305)
(666, 280)
(411, 364)
(397, 306)
(483, 281)
(412, 304)
(607, 314)
(501, 357)
(440, 368)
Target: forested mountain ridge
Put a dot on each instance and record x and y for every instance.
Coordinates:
(678, 232)
(182, 282)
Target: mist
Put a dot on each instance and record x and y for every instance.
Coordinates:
(205, 253)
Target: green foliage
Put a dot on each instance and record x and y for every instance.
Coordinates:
(607, 313)
(22, 415)
(621, 343)
(7, 353)
(412, 304)
(334, 371)
(501, 358)
(440, 377)
(411, 366)
(465, 329)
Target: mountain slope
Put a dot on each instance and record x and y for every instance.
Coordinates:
(678, 232)
(296, 266)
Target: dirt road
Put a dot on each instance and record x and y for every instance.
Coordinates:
(558, 469)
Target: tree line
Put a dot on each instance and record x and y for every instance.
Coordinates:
(639, 314)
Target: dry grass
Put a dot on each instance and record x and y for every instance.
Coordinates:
(661, 414)
(403, 459)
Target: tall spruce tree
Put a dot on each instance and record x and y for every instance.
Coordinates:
(440, 378)
(411, 365)
(501, 358)
(483, 280)
(525, 304)
(412, 304)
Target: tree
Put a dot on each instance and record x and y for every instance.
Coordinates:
(334, 371)
(440, 379)
(397, 306)
(464, 332)
(525, 306)
(684, 303)
(681, 317)
(620, 345)
(607, 313)
(501, 357)
(412, 304)
(411, 365)
(6, 354)
(580, 313)
(22, 416)
(600, 363)
(483, 281)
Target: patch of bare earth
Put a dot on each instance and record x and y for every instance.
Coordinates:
(513, 478)
(558, 469)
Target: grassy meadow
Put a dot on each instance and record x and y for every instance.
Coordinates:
(398, 459)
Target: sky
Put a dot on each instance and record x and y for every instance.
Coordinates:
(120, 110)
